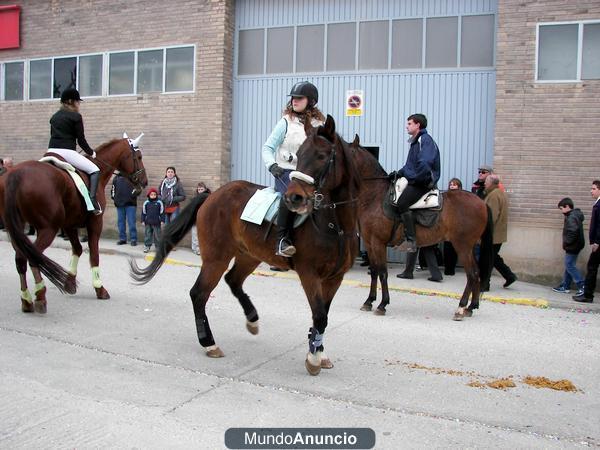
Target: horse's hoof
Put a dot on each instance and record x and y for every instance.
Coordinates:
(26, 307)
(40, 306)
(70, 285)
(366, 307)
(252, 327)
(313, 370)
(326, 363)
(215, 352)
(468, 313)
(102, 294)
(458, 316)
(379, 312)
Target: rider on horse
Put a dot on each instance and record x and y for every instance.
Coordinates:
(422, 170)
(66, 130)
(279, 152)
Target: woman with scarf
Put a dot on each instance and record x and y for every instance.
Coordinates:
(171, 194)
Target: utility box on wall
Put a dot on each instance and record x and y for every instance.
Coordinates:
(10, 16)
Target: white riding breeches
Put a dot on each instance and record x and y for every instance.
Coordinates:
(77, 160)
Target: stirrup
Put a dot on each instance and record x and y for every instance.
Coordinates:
(97, 208)
(408, 246)
(285, 249)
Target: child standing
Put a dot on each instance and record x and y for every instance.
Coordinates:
(200, 189)
(153, 213)
(573, 242)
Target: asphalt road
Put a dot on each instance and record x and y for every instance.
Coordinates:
(129, 373)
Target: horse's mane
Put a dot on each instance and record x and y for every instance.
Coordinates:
(349, 158)
(106, 144)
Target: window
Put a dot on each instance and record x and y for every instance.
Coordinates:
(407, 44)
(180, 69)
(280, 50)
(90, 75)
(442, 41)
(13, 81)
(477, 41)
(121, 73)
(150, 71)
(65, 75)
(590, 68)
(341, 46)
(40, 79)
(310, 41)
(557, 55)
(373, 45)
(251, 52)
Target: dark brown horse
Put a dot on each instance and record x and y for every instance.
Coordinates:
(46, 197)
(464, 221)
(326, 243)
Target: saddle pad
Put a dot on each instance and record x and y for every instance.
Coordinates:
(79, 183)
(260, 204)
(429, 200)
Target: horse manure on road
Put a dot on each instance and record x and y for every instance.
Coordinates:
(543, 382)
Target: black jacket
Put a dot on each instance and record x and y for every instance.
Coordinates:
(573, 239)
(595, 224)
(153, 212)
(122, 192)
(66, 128)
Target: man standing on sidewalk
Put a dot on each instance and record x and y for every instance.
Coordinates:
(125, 199)
(594, 261)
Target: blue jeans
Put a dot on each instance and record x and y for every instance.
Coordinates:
(170, 217)
(126, 212)
(571, 273)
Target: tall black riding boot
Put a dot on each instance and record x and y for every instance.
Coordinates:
(94, 179)
(285, 223)
(409, 231)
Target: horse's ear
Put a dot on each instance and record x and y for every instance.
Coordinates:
(125, 135)
(356, 141)
(329, 128)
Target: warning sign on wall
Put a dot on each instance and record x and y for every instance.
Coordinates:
(354, 103)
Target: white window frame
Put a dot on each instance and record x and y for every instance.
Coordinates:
(580, 24)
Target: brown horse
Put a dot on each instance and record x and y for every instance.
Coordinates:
(326, 243)
(464, 220)
(46, 197)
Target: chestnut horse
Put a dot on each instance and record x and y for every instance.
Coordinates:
(464, 220)
(326, 243)
(46, 197)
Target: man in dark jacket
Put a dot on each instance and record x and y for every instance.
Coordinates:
(422, 170)
(594, 261)
(123, 194)
(573, 242)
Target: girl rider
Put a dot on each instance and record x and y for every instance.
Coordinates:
(66, 129)
(279, 152)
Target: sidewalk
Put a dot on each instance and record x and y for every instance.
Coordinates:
(520, 293)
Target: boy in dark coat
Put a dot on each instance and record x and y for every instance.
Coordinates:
(153, 214)
(573, 242)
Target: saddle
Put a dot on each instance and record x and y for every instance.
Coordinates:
(426, 210)
(264, 206)
(76, 175)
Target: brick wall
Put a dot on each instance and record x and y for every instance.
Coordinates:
(191, 131)
(547, 135)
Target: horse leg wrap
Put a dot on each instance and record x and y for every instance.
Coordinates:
(315, 340)
(73, 265)
(96, 281)
(26, 295)
(39, 286)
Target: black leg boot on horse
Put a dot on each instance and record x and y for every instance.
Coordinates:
(94, 179)
(285, 225)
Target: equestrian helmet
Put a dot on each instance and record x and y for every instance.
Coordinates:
(70, 94)
(305, 89)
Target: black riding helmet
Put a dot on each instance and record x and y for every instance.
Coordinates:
(305, 89)
(70, 94)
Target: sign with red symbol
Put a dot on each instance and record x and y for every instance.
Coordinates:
(354, 103)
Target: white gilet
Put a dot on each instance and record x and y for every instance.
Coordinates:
(294, 137)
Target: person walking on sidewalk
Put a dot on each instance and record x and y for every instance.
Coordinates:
(496, 199)
(573, 242)
(594, 260)
(123, 194)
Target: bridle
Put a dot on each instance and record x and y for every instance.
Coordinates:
(138, 171)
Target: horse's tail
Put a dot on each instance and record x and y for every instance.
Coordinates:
(171, 235)
(14, 225)
(486, 253)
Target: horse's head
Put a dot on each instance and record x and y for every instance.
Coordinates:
(323, 165)
(125, 156)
